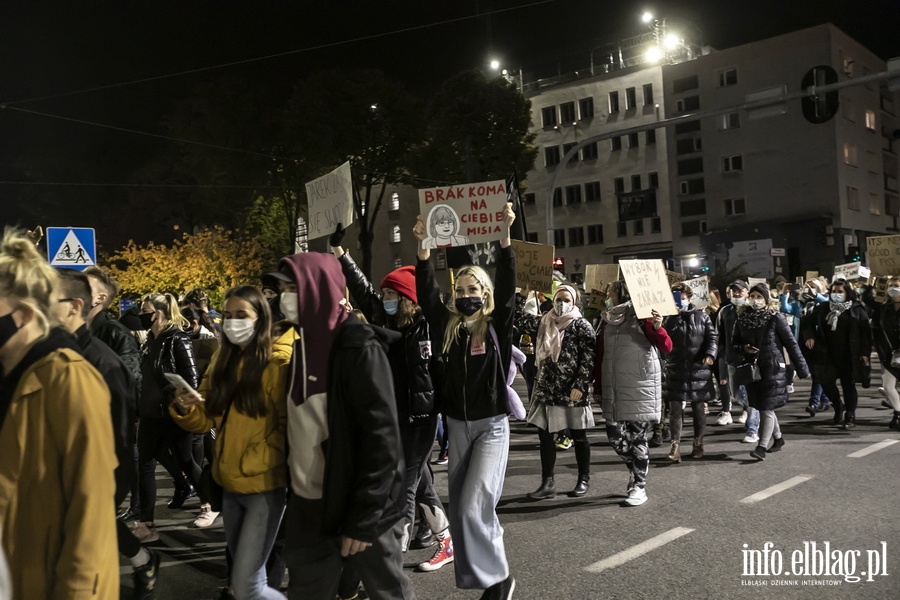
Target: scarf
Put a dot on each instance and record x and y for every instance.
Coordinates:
(837, 309)
(754, 318)
(551, 332)
(616, 315)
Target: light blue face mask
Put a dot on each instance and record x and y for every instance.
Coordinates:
(609, 304)
(391, 306)
(837, 298)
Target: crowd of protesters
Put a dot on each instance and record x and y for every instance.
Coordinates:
(309, 426)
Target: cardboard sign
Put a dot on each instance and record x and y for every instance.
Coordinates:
(534, 266)
(597, 300)
(849, 271)
(649, 287)
(674, 278)
(700, 288)
(811, 275)
(880, 287)
(460, 215)
(597, 277)
(883, 254)
(756, 281)
(330, 200)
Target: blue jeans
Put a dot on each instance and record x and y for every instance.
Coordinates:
(251, 523)
(734, 393)
(752, 427)
(478, 454)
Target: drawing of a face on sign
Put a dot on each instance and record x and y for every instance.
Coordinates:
(443, 226)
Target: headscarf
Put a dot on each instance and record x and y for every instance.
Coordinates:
(552, 329)
(837, 309)
(320, 289)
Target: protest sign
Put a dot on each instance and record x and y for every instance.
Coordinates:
(534, 266)
(700, 289)
(649, 287)
(847, 271)
(751, 281)
(597, 277)
(459, 215)
(330, 201)
(674, 277)
(880, 286)
(811, 275)
(883, 254)
(597, 300)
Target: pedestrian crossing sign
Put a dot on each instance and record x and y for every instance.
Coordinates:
(71, 247)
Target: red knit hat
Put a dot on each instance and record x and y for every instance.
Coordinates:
(403, 280)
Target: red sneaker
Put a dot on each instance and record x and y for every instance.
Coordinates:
(443, 555)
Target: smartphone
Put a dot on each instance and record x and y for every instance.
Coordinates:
(677, 295)
(179, 383)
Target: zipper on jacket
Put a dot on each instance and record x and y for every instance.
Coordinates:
(466, 377)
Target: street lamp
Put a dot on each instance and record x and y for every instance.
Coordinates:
(495, 64)
(647, 16)
(671, 41)
(654, 54)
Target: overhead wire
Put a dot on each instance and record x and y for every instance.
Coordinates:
(275, 55)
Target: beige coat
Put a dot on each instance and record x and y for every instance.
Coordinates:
(57, 486)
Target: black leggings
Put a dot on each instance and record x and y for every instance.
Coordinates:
(676, 419)
(163, 440)
(548, 451)
(829, 375)
(129, 546)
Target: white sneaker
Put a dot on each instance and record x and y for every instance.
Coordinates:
(750, 439)
(724, 419)
(636, 496)
(207, 517)
(790, 388)
(743, 418)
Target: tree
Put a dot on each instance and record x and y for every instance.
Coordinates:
(477, 131)
(360, 116)
(215, 259)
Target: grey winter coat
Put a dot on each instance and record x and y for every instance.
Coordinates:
(631, 372)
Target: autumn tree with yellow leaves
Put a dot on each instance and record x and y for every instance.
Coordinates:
(214, 259)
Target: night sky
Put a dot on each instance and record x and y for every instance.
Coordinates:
(50, 48)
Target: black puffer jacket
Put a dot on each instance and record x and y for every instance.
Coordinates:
(410, 357)
(858, 342)
(693, 339)
(772, 336)
(119, 339)
(170, 352)
(886, 334)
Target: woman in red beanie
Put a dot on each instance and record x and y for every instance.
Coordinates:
(396, 308)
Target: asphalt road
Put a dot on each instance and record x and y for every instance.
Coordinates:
(687, 541)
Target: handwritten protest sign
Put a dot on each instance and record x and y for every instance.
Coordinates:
(330, 200)
(674, 277)
(700, 288)
(597, 277)
(649, 287)
(811, 275)
(847, 271)
(597, 300)
(883, 254)
(751, 281)
(534, 266)
(459, 215)
(881, 289)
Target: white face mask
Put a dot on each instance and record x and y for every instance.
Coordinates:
(563, 308)
(738, 300)
(757, 303)
(837, 298)
(289, 308)
(239, 331)
(893, 292)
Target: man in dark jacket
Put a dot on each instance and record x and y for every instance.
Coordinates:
(72, 309)
(345, 456)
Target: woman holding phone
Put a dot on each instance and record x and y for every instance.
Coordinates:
(243, 398)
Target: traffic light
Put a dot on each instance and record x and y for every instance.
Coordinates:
(559, 264)
(853, 254)
(822, 107)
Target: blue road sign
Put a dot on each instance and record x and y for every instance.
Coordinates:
(71, 247)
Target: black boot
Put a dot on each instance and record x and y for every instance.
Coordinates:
(895, 422)
(838, 414)
(655, 440)
(849, 420)
(581, 487)
(424, 536)
(181, 494)
(547, 489)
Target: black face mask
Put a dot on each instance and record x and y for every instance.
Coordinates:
(8, 328)
(469, 306)
(146, 320)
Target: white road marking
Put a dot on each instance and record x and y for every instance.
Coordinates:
(775, 489)
(872, 448)
(635, 551)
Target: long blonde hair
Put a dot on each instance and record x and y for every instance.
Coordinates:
(26, 279)
(168, 304)
(456, 319)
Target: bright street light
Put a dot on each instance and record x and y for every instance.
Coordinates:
(647, 16)
(654, 54)
(693, 262)
(495, 64)
(671, 41)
